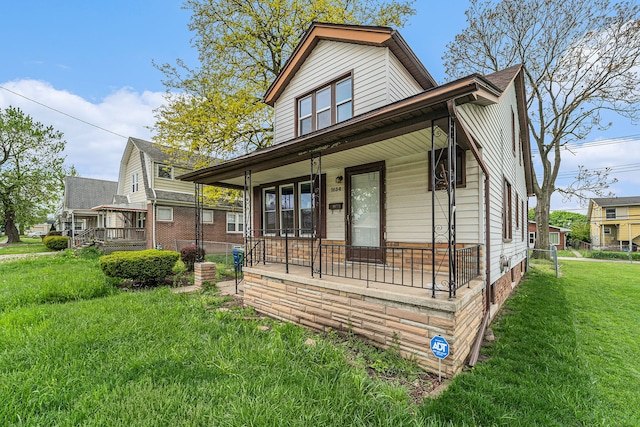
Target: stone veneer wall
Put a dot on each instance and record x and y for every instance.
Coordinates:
(204, 272)
(385, 318)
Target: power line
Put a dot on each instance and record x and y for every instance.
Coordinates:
(609, 141)
(63, 113)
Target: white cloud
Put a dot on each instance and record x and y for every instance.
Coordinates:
(621, 155)
(94, 152)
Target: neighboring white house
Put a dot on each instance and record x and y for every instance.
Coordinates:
(147, 207)
(388, 205)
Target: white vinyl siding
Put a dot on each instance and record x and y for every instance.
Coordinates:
(401, 83)
(408, 201)
(491, 126)
(134, 168)
(174, 185)
(328, 61)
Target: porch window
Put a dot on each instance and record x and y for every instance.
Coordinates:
(134, 182)
(554, 238)
(287, 211)
(610, 213)
(165, 171)
(287, 207)
(606, 230)
(325, 106)
(507, 212)
(269, 210)
(207, 216)
(164, 213)
(306, 209)
(442, 167)
(235, 222)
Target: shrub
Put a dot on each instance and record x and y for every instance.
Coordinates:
(189, 255)
(147, 267)
(56, 243)
(615, 255)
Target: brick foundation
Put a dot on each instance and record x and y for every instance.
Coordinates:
(385, 318)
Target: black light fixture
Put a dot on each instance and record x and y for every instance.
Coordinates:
(339, 179)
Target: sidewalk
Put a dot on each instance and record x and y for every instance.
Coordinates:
(11, 257)
(566, 258)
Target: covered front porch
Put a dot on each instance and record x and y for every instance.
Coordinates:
(357, 229)
(120, 228)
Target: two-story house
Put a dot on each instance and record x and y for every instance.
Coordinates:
(150, 208)
(389, 206)
(615, 222)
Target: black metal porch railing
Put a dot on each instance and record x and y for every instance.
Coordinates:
(402, 266)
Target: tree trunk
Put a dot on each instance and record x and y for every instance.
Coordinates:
(13, 236)
(543, 204)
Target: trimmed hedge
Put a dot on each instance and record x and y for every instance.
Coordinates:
(615, 255)
(56, 243)
(148, 267)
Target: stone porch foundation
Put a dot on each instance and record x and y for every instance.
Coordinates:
(386, 315)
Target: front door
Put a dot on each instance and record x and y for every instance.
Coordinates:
(365, 193)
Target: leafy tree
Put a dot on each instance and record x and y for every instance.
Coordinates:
(565, 219)
(580, 231)
(215, 109)
(580, 57)
(31, 170)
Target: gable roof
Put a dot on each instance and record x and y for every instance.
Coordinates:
(357, 34)
(85, 193)
(368, 128)
(617, 201)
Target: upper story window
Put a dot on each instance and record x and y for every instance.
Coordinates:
(328, 105)
(164, 171)
(134, 182)
(610, 213)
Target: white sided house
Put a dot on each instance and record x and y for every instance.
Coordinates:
(388, 206)
(152, 209)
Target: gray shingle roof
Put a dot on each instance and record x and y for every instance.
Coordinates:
(85, 193)
(501, 79)
(617, 201)
(155, 152)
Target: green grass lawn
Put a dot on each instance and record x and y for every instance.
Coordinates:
(28, 245)
(565, 354)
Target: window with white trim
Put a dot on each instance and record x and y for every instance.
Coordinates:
(554, 238)
(235, 222)
(610, 213)
(141, 218)
(134, 182)
(532, 239)
(606, 230)
(164, 213)
(207, 216)
(164, 171)
(326, 106)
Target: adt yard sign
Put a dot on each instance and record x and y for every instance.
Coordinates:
(439, 347)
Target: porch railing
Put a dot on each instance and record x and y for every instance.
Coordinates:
(395, 265)
(120, 233)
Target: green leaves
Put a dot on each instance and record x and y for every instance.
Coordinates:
(216, 109)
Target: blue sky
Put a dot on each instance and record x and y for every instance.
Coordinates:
(93, 60)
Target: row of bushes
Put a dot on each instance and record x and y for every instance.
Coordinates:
(615, 255)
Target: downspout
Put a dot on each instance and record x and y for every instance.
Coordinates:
(475, 348)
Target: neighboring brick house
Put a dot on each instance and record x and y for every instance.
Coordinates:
(615, 222)
(557, 235)
(150, 208)
(389, 206)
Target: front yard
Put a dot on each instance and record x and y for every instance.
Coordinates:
(75, 350)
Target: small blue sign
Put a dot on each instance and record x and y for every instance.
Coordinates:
(439, 347)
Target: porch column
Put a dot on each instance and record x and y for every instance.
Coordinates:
(199, 228)
(316, 201)
(247, 215)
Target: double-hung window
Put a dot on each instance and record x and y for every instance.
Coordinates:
(610, 213)
(288, 208)
(328, 105)
(165, 171)
(235, 222)
(134, 182)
